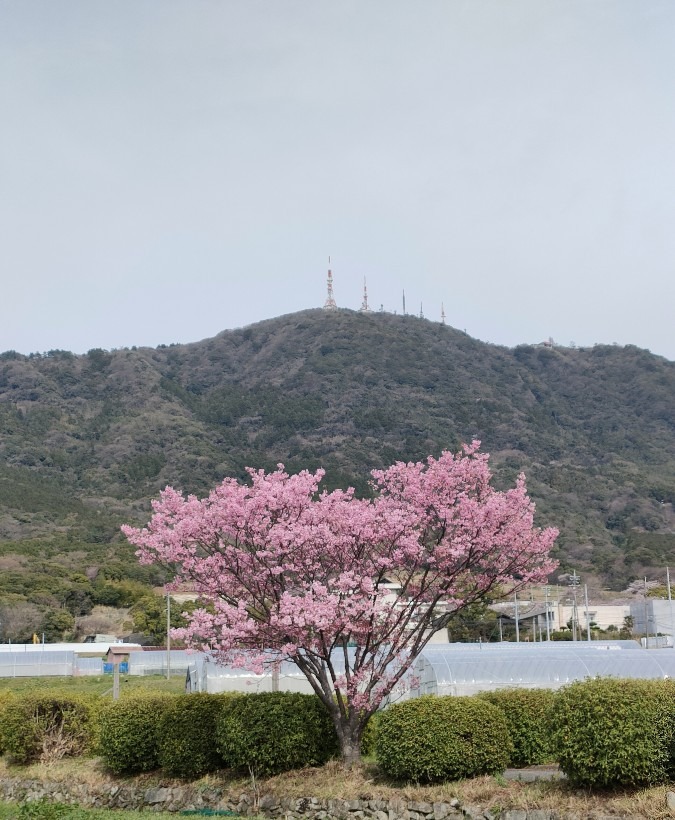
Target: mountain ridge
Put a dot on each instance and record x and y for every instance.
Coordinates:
(87, 440)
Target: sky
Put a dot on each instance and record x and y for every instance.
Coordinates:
(173, 168)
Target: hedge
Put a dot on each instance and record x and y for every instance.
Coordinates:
(274, 732)
(527, 714)
(442, 738)
(186, 735)
(607, 732)
(46, 727)
(128, 738)
(369, 736)
(6, 698)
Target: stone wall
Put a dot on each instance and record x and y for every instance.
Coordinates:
(187, 797)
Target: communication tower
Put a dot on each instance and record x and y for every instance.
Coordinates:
(330, 303)
(442, 314)
(364, 303)
(421, 312)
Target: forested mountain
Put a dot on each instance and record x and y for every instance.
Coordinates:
(86, 441)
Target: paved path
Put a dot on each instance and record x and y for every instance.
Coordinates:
(533, 773)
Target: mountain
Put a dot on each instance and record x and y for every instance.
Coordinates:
(86, 441)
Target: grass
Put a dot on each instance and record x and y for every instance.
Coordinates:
(366, 783)
(95, 684)
(58, 811)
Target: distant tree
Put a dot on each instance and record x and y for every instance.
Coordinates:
(19, 621)
(307, 576)
(57, 625)
(149, 616)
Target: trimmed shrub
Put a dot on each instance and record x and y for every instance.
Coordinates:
(128, 737)
(187, 730)
(273, 732)
(46, 727)
(527, 716)
(607, 732)
(369, 737)
(442, 738)
(6, 699)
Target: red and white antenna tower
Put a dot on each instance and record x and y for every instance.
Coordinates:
(364, 304)
(330, 299)
(442, 314)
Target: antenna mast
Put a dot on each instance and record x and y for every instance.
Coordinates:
(404, 303)
(442, 314)
(364, 304)
(421, 312)
(330, 304)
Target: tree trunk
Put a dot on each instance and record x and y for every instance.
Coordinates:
(351, 752)
(349, 735)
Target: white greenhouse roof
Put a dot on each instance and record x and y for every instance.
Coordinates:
(548, 664)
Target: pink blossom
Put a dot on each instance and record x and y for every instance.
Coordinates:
(303, 575)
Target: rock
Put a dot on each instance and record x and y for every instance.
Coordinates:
(441, 811)
(420, 807)
(160, 795)
(267, 802)
(397, 806)
(670, 800)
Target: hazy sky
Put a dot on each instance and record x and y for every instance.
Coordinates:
(173, 168)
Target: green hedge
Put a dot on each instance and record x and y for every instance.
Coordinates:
(442, 738)
(187, 731)
(607, 732)
(275, 731)
(128, 737)
(46, 727)
(527, 714)
(369, 737)
(6, 699)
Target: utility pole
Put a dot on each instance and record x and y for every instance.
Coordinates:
(574, 583)
(588, 620)
(548, 625)
(646, 617)
(168, 636)
(670, 605)
(515, 598)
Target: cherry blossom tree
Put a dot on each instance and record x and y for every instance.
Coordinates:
(291, 573)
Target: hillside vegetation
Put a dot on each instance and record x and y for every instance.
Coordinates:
(86, 441)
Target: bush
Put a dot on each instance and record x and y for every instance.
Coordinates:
(442, 738)
(6, 699)
(527, 715)
(607, 732)
(128, 738)
(46, 727)
(369, 737)
(275, 731)
(187, 729)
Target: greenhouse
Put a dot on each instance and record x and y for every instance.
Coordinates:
(465, 669)
(155, 662)
(36, 664)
